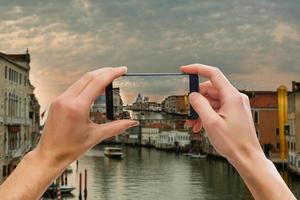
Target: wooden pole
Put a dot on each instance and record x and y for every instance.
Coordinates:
(85, 184)
(80, 195)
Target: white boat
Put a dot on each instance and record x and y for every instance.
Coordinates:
(198, 155)
(66, 189)
(113, 152)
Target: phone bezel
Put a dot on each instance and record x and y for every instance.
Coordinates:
(193, 87)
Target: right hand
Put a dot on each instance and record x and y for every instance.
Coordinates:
(225, 114)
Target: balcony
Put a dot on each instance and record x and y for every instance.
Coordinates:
(15, 120)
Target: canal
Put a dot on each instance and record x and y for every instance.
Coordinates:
(147, 174)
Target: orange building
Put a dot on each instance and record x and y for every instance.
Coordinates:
(264, 107)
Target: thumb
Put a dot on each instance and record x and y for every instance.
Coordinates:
(202, 106)
(110, 129)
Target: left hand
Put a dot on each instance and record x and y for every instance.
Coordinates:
(68, 132)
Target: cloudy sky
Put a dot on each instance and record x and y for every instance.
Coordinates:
(255, 43)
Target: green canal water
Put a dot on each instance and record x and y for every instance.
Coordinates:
(149, 174)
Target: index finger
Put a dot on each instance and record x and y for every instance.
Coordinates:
(217, 78)
(98, 84)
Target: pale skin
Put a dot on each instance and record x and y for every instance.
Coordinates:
(224, 112)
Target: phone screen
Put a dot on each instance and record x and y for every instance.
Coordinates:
(150, 97)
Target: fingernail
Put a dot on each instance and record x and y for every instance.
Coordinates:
(123, 68)
(193, 96)
(134, 123)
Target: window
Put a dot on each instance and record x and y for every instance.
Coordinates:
(25, 80)
(20, 79)
(9, 74)
(278, 145)
(5, 72)
(288, 145)
(256, 117)
(277, 131)
(4, 171)
(298, 163)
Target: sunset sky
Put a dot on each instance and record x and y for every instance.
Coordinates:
(255, 43)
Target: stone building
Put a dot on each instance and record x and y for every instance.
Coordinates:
(293, 138)
(19, 111)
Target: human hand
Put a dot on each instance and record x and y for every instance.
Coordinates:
(224, 113)
(226, 116)
(68, 132)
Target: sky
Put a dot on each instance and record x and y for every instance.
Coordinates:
(255, 43)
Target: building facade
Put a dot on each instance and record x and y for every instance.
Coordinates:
(264, 107)
(19, 111)
(293, 138)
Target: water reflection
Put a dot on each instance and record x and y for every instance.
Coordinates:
(151, 174)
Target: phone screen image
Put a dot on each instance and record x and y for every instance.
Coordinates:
(150, 97)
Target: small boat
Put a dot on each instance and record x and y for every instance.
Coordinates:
(113, 152)
(198, 155)
(66, 189)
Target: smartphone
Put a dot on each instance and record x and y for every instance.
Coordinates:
(149, 96)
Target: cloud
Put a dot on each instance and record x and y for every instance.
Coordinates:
(67, 38)
(283, 31)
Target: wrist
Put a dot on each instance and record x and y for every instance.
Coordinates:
(47, 160)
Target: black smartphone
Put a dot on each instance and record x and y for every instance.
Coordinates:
(151, 96)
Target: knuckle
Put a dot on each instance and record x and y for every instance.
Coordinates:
(74, 110)
(57, 103)
(245, 97)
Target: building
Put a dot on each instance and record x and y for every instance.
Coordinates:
(176, 104)
(149, 136)
(141, 103)
(99, 104)
(293, 138)
(19, 111)
(171, 139)
(154, 106)
(117, 102)
(264, 107)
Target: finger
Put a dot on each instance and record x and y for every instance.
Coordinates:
(75, 89)
(98, 84)
(110, 129)
(217, 78)
(197, 127)
(206, 88)
(203, 108)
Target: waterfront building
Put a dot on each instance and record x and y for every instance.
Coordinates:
(141, 103)
(169, 139)
(19, 111)
(100, 104)
(154, 106)
(264, 107)
(293, 136)
(149, 136)
(117, 102)
(176, 104)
